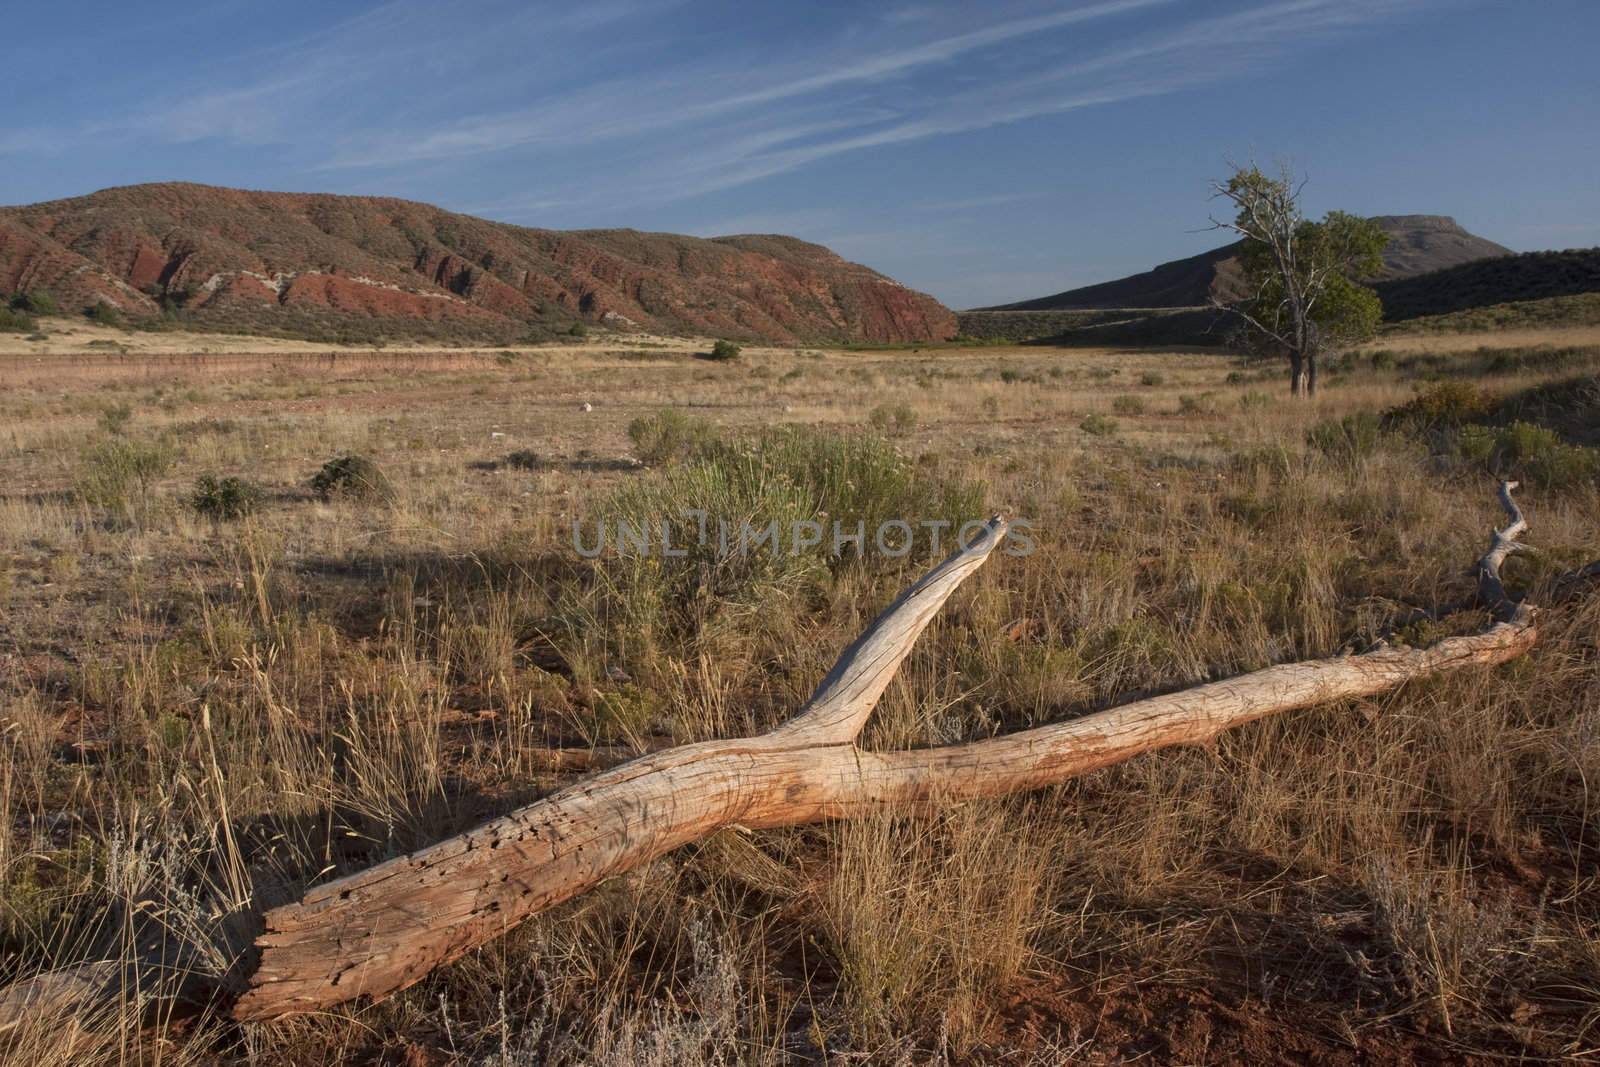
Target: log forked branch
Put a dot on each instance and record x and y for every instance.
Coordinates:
(379, 930)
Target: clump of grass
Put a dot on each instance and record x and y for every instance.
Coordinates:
(1348, 440)
(1098, 425)
(1254, 400)
(670, 436)
(114, 419)
(1189, 404)
(224, 499)
(1128, 405)
(1152, 378)
(354, 477)
(928, 918)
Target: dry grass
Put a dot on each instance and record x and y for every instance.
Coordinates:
(197, 711)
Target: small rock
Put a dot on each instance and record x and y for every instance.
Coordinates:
(586, 406)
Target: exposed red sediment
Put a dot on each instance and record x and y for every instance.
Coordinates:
(218, 252)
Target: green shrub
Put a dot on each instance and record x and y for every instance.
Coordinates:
(103, 313)
(355, 477)
(525, 459)
(669, 435)
(13, 321)
(1152, 378)
(893, 418)
(723, 351)
(1010, 377)
(224, 498)
(1531, 454)
(784, 476)
(578, 330)
(38, 302)
(1348, 440)
(1098, 425)
(1128, 405)
(1443, 406)
(1194, 405)
(117, 475)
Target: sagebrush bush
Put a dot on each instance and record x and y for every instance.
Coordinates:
(1443, 406)
(723, 351)
(1128, 405)
(669, 435)
(525, 459)
(117, 475)
(783, 477)
(893, 418)
(13, 321)
(1530, 453)
(226, 498)
(352, 476)
(1098, 425)
(37, 302)
(103, 313)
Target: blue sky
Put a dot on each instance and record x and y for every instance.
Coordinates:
(980, 151)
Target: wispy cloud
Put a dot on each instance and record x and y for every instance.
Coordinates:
(613, 103)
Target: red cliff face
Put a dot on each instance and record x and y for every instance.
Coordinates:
(273, 259)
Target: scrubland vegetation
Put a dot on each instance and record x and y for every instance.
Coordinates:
(266, 621)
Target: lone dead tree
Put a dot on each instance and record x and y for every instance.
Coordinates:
(377, 931)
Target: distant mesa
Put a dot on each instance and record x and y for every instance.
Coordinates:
(1418, 244)
(358, 267)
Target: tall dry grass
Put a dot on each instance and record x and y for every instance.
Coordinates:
(195, 714)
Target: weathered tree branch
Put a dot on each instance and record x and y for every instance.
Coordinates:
(379, 930)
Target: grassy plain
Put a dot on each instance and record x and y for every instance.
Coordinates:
(201, 703)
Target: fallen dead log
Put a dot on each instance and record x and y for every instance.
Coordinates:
(377, 931)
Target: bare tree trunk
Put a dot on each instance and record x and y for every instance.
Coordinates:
(377, 931)
(1297, 373)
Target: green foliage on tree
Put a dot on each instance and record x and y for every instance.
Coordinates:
(1304, 276)
(724, 350)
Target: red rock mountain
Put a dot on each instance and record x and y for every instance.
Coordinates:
(232, 258)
